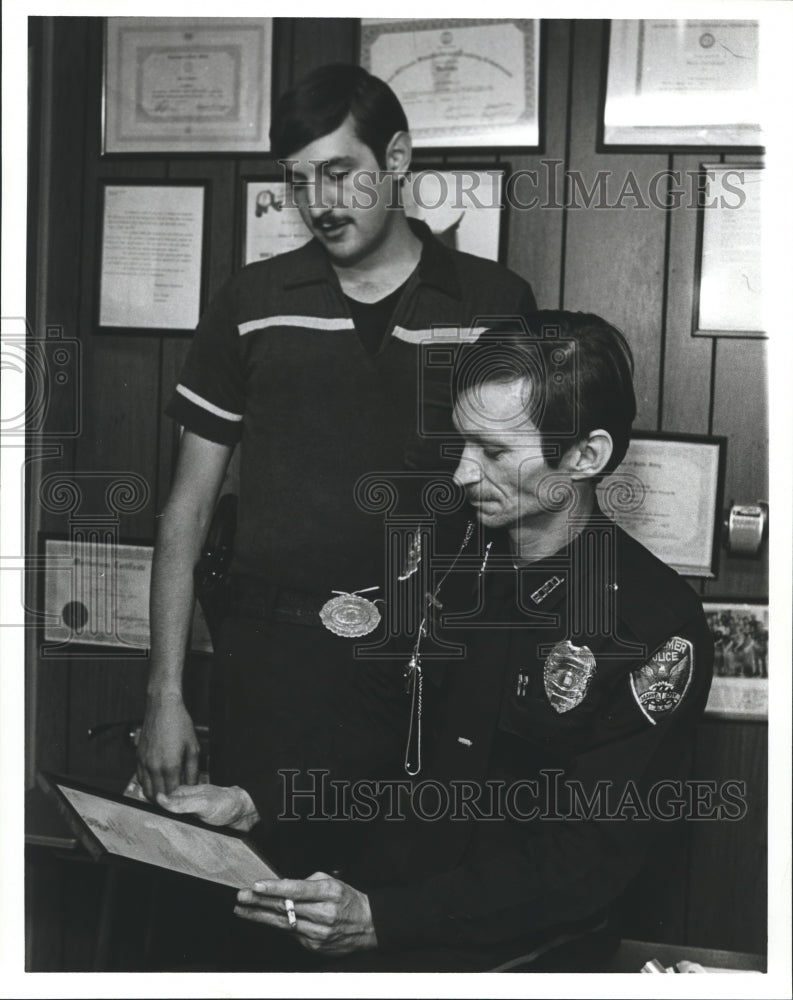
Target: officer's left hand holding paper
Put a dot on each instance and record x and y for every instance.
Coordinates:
(213, 804)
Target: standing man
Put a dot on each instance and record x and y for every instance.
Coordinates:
(309, 361)
(555, 751)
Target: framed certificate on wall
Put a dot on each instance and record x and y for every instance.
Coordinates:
(151, 262)
(462, 82)
(667, 493)
(683, 83)
(271, 220)
(729, 291)
(187, 85)
(97, 595)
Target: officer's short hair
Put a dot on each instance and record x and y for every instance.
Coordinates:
(319, 103)
(581, 372)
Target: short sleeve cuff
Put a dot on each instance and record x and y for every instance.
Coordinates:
(203, 417)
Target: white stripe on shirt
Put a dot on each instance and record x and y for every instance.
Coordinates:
(307, 322)
(206, 405)
(439, 334)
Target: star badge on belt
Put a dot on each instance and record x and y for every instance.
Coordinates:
(660, 684)
(567, 673)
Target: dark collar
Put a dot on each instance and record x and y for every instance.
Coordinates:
(552, 573)
(436, 265)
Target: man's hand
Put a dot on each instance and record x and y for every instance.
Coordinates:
(213, 804)
(332, 917)
(167, 748)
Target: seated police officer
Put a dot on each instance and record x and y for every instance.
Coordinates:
(556, 743)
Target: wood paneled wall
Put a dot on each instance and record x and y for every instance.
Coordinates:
(636, 266)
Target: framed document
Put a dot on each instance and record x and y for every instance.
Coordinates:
(187, 84)
(108, 824)
(461, 82)
(97, 595)
(152, 253)
(461, 205)
(728, 301)
(271, 221)
(668, 494)
(740, 667)
(683, 83)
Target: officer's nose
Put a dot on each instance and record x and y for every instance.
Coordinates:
(468, 471)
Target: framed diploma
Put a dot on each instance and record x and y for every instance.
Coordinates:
(728, 300)
(462, 206)
(740, 666)
(668, 494)
(187, 85)
(152, 253)
(462, 82)
(271, 221)
(109, 824)
(683, 83)
(97, 595)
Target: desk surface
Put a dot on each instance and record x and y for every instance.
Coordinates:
(631, 956)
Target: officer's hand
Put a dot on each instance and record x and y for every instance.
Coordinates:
(332, 917)
(167, 748)
(213, 804)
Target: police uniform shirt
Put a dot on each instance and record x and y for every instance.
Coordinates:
(585, 671)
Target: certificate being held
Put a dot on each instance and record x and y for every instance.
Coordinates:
(110, 824)
(461, 82)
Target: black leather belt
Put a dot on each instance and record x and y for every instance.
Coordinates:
(249, 598)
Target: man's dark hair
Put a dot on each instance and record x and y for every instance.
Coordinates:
(580, 370)
(319, 103)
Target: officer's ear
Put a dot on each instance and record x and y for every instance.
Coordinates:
(589, 456)
(398, 152)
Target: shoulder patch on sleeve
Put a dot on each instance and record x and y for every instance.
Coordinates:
(660, 684)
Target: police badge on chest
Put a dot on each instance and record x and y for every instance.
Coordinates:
(567, 674)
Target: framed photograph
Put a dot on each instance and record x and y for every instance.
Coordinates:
(187, 84)
(683, 84)
(97, 595)
(740, 666)
(729, 291)
(668, 493)
(271, 220)
(462, 82)
(151, 259)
